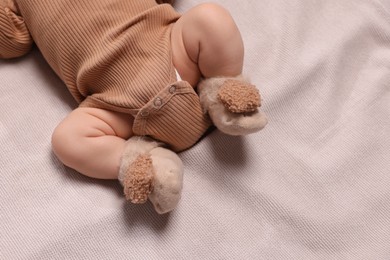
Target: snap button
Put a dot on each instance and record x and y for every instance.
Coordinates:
(172, 89)
(144, 113)
(158, 102)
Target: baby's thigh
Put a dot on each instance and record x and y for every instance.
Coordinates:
(95, 122)
(83, 126)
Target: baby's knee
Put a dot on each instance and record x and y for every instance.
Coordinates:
(211, 10)
(214, 16)
(66, 146)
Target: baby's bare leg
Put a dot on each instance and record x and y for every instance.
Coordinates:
(95, 143)
(92, 141)
(206, 42)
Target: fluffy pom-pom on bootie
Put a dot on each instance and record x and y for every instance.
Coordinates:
(233, 105)
(149, 171)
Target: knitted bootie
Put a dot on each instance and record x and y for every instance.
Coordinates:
(148, 170)
(232, 104)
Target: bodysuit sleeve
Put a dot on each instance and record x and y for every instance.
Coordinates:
(15, 39)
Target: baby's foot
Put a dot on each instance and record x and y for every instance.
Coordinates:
(232, 105)
(150, 171)
(168, 180)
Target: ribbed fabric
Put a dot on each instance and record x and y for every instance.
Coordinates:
(15, 39)
(111, 54)
(174, 117)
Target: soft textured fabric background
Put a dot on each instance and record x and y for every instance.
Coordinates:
(315, 184)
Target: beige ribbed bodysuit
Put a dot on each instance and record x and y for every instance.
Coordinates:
(111, 54)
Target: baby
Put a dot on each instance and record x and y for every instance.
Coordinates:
(133, 66)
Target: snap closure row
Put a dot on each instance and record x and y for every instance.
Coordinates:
(158, 102)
